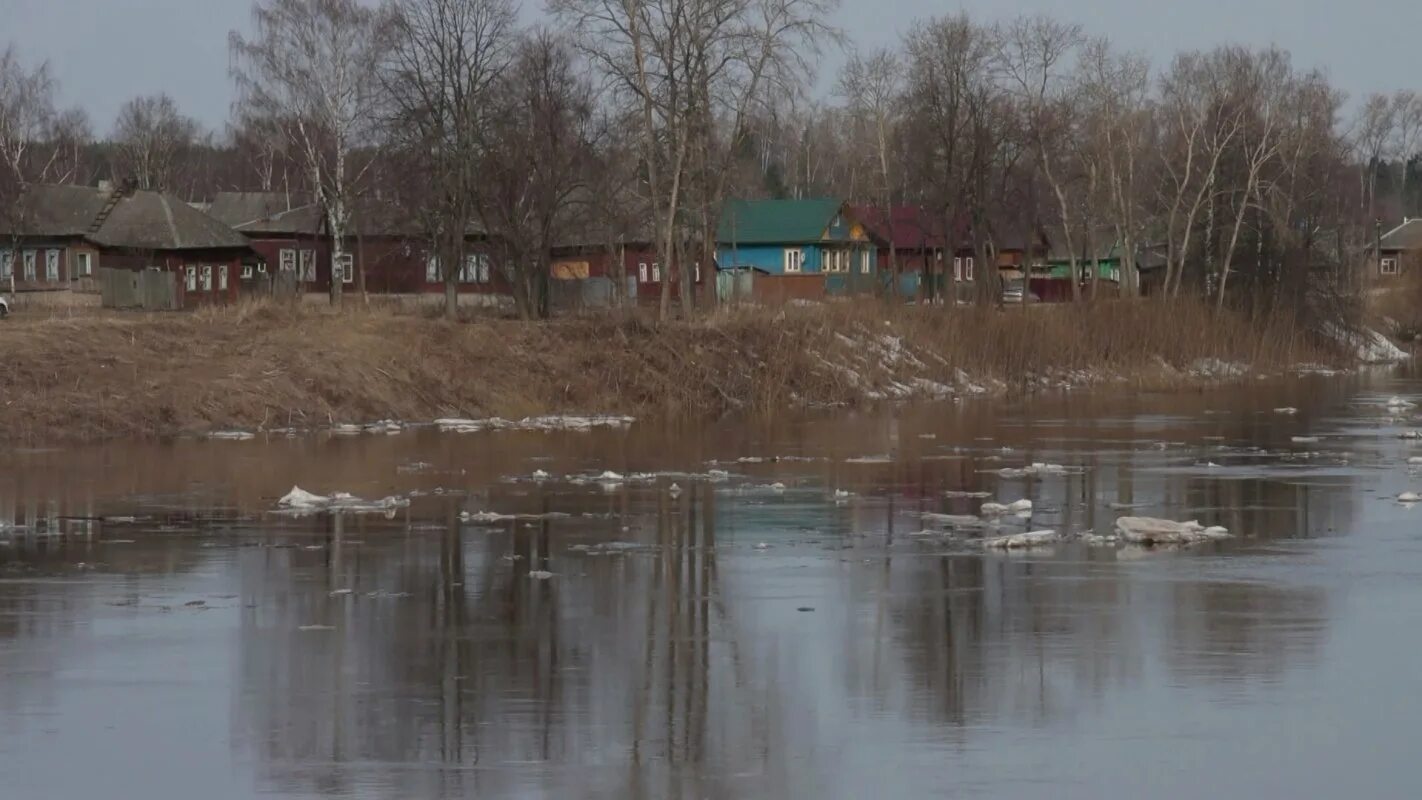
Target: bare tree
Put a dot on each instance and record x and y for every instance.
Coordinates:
(151, 136)
(448, 55)
(1031, 53)
(535, 162)
(309, 67)
(1374, 132)
(26, 119)
(873, 87)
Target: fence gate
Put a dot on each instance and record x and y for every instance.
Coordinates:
(145, 290)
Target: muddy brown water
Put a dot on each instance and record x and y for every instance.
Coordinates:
(164, 635)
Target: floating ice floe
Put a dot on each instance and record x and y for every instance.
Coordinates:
(1398, 404)
(1286, 410)
(1410, 435)
(1033, 470)
(300, 501)
(540, 575)
(1408, 498)
(869, 460)
(1305, 439)
(346, 430)
(1000, 510)
(1151, 531)
(388, 427)
(232, 436)
(544, 423)
(1415, 461)
(967, 494)
(540, 475)
(1022, 541)
(491, 516)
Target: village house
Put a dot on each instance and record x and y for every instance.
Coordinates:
(797, 249)
(66, 234)
(292, 245)
(585, 273)
(1400, 250)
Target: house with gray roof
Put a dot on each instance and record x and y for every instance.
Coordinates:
(63, 235)
(1400, 249)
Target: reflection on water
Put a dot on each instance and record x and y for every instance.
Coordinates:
(792, 627)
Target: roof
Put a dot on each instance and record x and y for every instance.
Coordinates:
(240, 208)
(776, 221)
(60, 210)
(139, 220)
(1407, 236)
(912, 227)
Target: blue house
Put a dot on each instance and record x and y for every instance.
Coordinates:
(806, 247)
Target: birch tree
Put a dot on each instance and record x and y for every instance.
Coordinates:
(151, 135)
(872, 85)
(309, 66)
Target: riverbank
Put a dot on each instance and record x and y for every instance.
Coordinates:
(95, 375)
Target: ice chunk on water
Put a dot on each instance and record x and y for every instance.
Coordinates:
(1152, 531)
(1022, 541)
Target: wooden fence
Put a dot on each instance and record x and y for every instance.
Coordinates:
(146, 290)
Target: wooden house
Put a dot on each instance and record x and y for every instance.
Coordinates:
(67, 233)
(798, 249)
(1400, 251)
(292, 242)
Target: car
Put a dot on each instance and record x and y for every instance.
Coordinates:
(1012, 293)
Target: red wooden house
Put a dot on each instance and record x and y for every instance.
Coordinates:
(385, 245)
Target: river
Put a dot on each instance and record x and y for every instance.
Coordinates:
(760, 611)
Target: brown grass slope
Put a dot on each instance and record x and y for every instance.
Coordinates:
(101, 375)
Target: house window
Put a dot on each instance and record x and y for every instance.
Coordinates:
(86, 264)
(29, 265)
(866, 263)
(794, 260)
(222, 277)
(246, 272)
(206, 278)
(432, 269)
(656, 272)
(957, 268)
(288, 260)
(642, 272)
(7, 264)
(308, 266)
(262, 268)
(344, 265)
(51, 265)
(483, 268)
(1389, 266)
(190, 278)
(696, 272)
(968, 269)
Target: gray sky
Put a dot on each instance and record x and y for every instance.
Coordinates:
(105, 51)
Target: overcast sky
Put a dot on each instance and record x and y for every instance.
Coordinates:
(105, 51)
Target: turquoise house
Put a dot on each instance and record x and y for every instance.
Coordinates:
(806, 247)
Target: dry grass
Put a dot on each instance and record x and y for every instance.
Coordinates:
(93, 375)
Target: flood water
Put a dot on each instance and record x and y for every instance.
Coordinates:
(791, 628)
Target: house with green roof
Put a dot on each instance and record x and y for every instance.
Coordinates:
(817, 245)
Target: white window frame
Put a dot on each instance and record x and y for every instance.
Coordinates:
(29, 259)
(51, 266)
(205, 271)
(968, 269)
(866, 262)
(1389, 266)
(794, 260)
(221, 277)
(85, 264)
(642, 273)
(287, 259)
(656, 272)
(485, 273)
(190, 278)
(432, 272)
(247, 272)
(696, 272)
(7, 263)
(346, 264)
(957, 268)
(308, 266)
